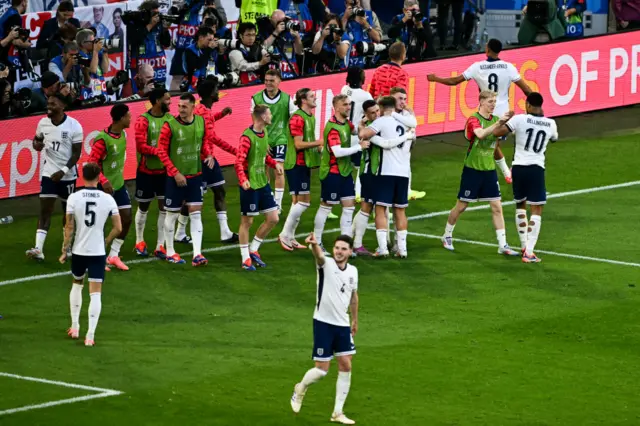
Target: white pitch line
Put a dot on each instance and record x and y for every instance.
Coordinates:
(552, 253)
(103, 393)
(271, 240)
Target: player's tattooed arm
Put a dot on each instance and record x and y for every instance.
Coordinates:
(68, 233)
(353, 309)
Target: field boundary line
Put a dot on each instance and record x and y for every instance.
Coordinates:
(101, 393)
(271, 240)
(552, 253)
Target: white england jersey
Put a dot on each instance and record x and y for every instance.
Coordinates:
(90, 208)
(533, 134)
(394, 161)
(58, 141)
(334, 289)
(495, 76)
(357, 96)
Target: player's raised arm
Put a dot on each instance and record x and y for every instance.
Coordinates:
(449, 81)
(523, 86)
(315, 249)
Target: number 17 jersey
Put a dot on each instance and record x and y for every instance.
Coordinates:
(90, 208)
(533, 134)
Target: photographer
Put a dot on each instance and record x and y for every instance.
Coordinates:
(49, 31)
(49, 85)
(331, 45)
(187, 28)
(285, 41)
(412, 28)
(200, 58)
(66, 34)
(66, 66)
(93, 57)
(148, 41)
(13, 37)
(142, 84)
(361, 26)
(249, 57)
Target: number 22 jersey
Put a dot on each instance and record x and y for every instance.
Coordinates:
(533, 134)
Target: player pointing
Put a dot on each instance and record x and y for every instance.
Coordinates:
(87, 212)
(337, 293)
(533, 133)
(495, 75)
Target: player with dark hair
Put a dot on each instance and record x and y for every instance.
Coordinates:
(255, 192)
(151, 176)
(494, 75)
(333, 330)
(109, 152)
(182, 142)
(303, 154)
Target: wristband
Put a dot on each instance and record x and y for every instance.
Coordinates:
(65, 169)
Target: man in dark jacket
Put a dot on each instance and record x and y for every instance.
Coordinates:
(412, 28)
(51, 27)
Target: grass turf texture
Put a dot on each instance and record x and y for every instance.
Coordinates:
(463, 338)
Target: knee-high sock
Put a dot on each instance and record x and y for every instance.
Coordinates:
(342, 390)
(278, 195)
(169, 226)
(225, 232)
(141, 221)
(181, 230)
(196, 232)
(75, 305)
(41, 236)
(361, 221)
(381, 235)
(319, 222)
(255, 244)
(116, 244)
(521, 226)
(293, 218)
(402, 241)
(346, 219)
(162, 216)
(312, 376)
(534, 231)
(95, 306)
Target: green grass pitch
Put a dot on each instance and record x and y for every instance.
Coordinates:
(463, 338)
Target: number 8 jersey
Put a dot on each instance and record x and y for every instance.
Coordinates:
(533, 134)
(90, 208)
(494, 75)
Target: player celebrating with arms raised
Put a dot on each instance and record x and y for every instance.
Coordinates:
(255, 192)
(479, 180)
(533, 130)
(337, 294)
(494, 75)
(109, 151)
(303, 154)
(282, 107)
(88, 209)
(61, 138)
(181, 143)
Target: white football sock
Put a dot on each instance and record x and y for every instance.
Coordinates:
(41, 235)
(278, 195)
(312, 376)
(448, 230)
(255, 244)
(115, 247)
(320, 221)
(293, 218)
(75, 305)
(162, 217)
(342, 390)
(95, 306)
(196, 232)
(535, 222)
(358, 184)
(361, 221)
(521, 226)
(169, 225)
(303, 207)
(502, 165)
(346, 220)
(141, 221)
(388, 213)
(501, 235)
(181, 231)
(402, 241)
(225, 232)
(244, 251)
(381, 235)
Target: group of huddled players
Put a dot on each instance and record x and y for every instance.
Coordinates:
(369, 138)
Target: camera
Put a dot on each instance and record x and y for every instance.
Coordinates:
(23, 33)
(358, 12)
(82, 61)
(227, 80)
(160, 85)
(72, 85)
(118, 80)
(273, 55)
(230, 44)
(173, 18)
(417, 15)
(291, 25)
(335, 30)
(369, 49)
(23, 98)
(136, 17)
(98, 100)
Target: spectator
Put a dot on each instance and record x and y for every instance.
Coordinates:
(142, 84)
(391, 74)
(251, 10)
(118, 31)
(187, 28)
(10, 40)
(412, 28)
(573, 13)
(456, 7)
(248, 59)
(98, 65)
(285, 44)
(627, 14)
(8, 106)
(66, 33)
(362, 26)
(201, 57)
(147, 43)
(49, 86)
(101, 29)
(331, 45)
(66, 66)
(50, 30)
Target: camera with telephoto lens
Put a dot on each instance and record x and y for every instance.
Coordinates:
(230, 44)
(23, 33)
(417, 15)
(98, 100)
(230, 79)
(291, 25)
(335, 30)
(273, 55)
(173, 17)
(136, 17)
(369, 49)
(358, 12)
(118, 80)
(112, 43)
(82, 61)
